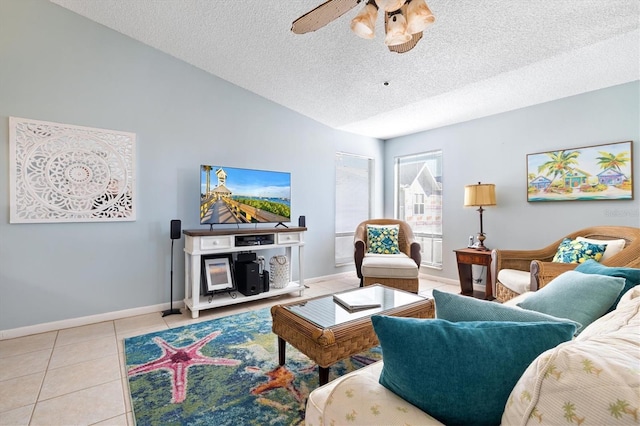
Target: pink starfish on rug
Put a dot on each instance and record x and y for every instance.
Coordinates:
(178, 360)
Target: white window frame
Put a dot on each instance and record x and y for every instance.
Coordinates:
(425, 218)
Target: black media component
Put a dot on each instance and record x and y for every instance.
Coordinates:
(246, 257)
(302, 221)
(248, 278)
(265, 281)
(175, 229)
(254, 240)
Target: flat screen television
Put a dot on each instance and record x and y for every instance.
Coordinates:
(229, 195)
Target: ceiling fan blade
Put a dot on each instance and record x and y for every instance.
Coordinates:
(405, 47)
(322, 15)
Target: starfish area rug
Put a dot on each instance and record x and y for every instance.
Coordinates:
(223, 372)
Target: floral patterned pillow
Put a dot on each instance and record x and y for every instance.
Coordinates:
(383, 239)
(574, 251)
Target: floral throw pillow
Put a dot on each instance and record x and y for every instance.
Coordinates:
(574, 251)
(383, 239)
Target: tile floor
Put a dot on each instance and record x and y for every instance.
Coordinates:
(76, 376)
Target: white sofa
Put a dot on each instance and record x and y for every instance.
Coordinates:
(591, 380)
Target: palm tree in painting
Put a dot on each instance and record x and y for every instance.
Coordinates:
(608, 160)
(207, 169)
(559, 164)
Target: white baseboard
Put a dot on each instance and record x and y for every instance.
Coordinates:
(80, 321)
(329, 277)
(443, 280)
(110, 316)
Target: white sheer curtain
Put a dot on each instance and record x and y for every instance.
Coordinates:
(353, 201)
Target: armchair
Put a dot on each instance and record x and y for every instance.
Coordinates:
(394, 270)
(533, 269)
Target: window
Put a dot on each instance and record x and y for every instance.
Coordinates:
(418, 204)
(353, 201)
(418, 186)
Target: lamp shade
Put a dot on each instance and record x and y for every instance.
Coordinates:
(482, 194)
(396, 30)
(390, 5)
(419, 16)
(364, 23)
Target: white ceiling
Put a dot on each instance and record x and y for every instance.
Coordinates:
(481, 57)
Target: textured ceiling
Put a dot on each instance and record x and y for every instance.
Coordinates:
(481, 57)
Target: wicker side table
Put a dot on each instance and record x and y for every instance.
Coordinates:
(326, 333)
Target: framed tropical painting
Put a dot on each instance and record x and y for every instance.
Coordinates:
(599, 172)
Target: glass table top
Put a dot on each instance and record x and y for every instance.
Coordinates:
(325, 312)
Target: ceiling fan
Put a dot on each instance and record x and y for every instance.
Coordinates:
(404, 20)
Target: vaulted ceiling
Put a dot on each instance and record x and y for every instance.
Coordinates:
(479, 58)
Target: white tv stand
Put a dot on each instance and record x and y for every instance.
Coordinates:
(201, 242)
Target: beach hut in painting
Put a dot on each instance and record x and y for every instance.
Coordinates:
(574, 178)
(611, 177)
(540, 183)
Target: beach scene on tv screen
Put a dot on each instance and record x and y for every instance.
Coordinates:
(232, 195)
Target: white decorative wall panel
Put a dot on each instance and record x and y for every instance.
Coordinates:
(65, 173)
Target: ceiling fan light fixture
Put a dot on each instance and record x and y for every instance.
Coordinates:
(396, 30)
(396, 20)
(419, 16)
(365, 21)
(390, 5)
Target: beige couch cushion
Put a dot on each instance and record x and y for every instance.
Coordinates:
(514, 280)
(389, 266)
(358, 398)
(592, 380)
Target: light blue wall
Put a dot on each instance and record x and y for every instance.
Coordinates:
(57, 66)
(494, 149)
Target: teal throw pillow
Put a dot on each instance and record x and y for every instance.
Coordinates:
(574, 251)
(461, 373)
(631, 275)
(457, 308)
(383, 239)
(580, 297)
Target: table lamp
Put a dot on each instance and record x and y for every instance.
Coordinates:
(482, 194)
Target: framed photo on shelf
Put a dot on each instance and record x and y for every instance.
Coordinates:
(217, 274)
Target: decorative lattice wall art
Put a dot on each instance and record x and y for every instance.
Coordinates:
(65, 173)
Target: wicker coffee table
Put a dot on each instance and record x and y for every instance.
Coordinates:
(326, 332)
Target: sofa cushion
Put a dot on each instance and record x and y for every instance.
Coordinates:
(631, 275)
(624, 316)
(592, 380)
(457, 308)
(358, 398)
(460, 373)
(389, 266)
(574, 251)
(580, 297)
(383, 239)
(515, 280)
(613, 246)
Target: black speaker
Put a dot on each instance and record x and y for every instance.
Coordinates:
(302, 221)
(175, 229)
(175, 235)
(248, 278)
(265, 281)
